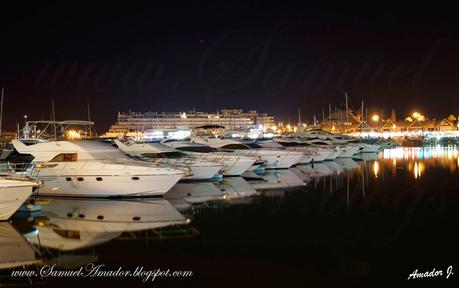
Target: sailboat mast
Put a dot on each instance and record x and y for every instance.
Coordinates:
(347, 108)
(1, 112)
(54, 119)
(362, 120)
(299, 116)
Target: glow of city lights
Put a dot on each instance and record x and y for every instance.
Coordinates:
(375, 118)
(72, 134)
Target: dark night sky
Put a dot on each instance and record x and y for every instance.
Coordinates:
(173, 56)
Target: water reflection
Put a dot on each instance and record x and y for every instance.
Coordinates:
(376, 168)
(449, 152)
(231, 189)
(418, 160)
(15, 251)
(71, 224)
(277, 179)
(367, 204)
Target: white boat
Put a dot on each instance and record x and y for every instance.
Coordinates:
(94, 169)
(348, 151)
(312, 153)
(272, 144)
(315, 154)
(275, 158)
(13, 193)
(233, 165)
(159, 153)
(320, 135)
(340, 150)
(368, 148)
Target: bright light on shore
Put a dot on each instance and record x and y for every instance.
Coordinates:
(72, 135)
(375, 118)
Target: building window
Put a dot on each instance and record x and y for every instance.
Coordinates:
(135, 178)
(99, 179)
(80, 179)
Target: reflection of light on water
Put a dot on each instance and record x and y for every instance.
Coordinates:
(418, 169)
(417, 159)
(376, 168)
(414, 153)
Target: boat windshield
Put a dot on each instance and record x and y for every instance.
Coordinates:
(290, 144)
(253, 145)
(200, 149)
(170, 155)
(237, 147)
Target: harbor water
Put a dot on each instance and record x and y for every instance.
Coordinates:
(367, 221)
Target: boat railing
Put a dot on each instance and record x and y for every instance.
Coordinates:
(19, 171)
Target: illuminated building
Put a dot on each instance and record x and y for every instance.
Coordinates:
(134, 122)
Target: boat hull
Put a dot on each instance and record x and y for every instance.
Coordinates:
(109, 186)
(334, 154)
(321, 155)
(348, 152)
(203, 172)
(11, 198)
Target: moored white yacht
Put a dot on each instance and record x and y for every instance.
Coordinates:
(94, 169)
(311, 153)
(159, 153)
(341, 150)
(341, 140)
(13, 193)
(233, 165)
(275, 159)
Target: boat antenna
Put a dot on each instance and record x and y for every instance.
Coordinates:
(54, 119)
(347, 108)
(299, 117)
(89, 119)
